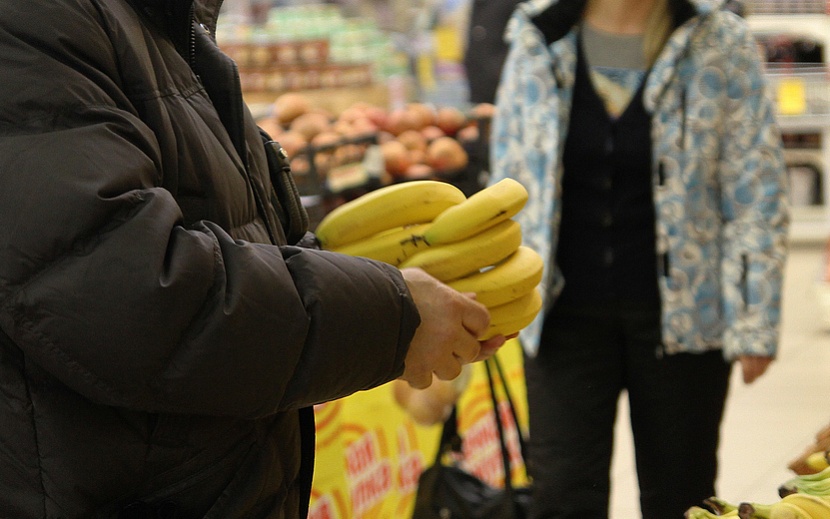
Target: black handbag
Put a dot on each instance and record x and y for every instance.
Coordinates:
(446, 491)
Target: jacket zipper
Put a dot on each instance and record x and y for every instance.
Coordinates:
(191, 59)
(191, 16)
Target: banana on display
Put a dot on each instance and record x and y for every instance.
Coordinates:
(817, 476)
(505, 281)
(793, 506)
(802, 497)
(720, 506)
(386, 208)
(393, 246)
(817, 484)
(783, 510)
(458, 259)
(511, 317)
(486, 208)
(755, 510)
(697, 512)
(818, 461)
(801, 506)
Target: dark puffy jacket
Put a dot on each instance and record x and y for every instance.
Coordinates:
(160, 342)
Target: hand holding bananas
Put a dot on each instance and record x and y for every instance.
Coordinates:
(472, 244)
(448, 335)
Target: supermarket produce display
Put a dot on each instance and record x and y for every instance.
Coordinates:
(795, 505)
(313, 46)
(806, 495)
(337, 157)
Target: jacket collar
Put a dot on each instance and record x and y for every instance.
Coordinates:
(177, 15)
(555, 18)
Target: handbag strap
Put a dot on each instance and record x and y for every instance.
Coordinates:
(451, 440)
(505, 453)
(509, 398)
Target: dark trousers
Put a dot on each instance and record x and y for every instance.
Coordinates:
(588, 356)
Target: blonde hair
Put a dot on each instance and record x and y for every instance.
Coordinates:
(658, 30)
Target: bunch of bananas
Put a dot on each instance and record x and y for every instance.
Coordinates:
(470, 243)
(817, 484)
(802, 497)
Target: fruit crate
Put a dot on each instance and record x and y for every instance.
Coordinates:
(787, 6)
(474, 176)
(800, 89)
(330, 174)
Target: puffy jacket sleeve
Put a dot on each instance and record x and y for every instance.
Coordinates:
(104, 288)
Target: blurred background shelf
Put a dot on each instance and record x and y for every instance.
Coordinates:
(334, 100)
(794, 37)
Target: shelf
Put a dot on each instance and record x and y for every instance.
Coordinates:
(786, 6)
(803, 123)
(812, 26)
(809, 225)
(335, 100)
(806, 93)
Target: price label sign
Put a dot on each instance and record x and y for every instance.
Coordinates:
(792, 97)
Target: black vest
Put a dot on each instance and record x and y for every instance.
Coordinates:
(606, 247)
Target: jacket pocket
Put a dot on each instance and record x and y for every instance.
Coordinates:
(191, 488)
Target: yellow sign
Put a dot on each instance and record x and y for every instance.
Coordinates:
(426, 72)
(370, 453)
(448, 46)
(792, 97)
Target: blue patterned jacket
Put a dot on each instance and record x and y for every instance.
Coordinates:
(720, 185)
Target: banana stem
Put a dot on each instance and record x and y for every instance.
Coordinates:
(720, 506)
(754, 511)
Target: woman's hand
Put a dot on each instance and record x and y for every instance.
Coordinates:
(753, 367)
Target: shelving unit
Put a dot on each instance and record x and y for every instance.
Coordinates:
(803, 96)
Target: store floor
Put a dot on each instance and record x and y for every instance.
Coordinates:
(769, 422)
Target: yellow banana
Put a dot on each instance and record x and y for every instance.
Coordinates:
(509, 279)
(511, 317)
(816, 487)
(393, 246)
(486, 208)
(754, 510)
(396, 205)
(815, 507)
(697, 512)
(823, 474)
(817, 461)
(719, 505)
(786, 510)
(455, 260)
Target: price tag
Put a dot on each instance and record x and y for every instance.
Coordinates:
(448, 46)
(792, 97)
(426, 72)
